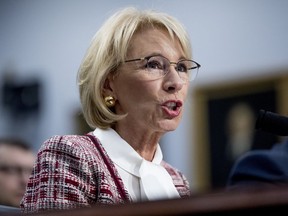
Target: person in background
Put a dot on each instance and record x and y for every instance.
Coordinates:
(16, 163)
(133, 84)
(260, 168)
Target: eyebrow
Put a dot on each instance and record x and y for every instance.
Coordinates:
(160, 54)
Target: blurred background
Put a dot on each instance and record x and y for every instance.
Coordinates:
(241, 44)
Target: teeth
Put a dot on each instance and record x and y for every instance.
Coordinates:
(171, 105)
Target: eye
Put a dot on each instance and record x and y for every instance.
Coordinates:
(182, 67)
(154, 64)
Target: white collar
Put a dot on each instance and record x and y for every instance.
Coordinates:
(122, 153)
(155, 182)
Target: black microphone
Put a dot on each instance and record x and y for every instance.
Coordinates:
(272, 123)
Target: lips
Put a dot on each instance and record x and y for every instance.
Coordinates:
(172, 107)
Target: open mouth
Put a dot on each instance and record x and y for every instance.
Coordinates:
(172, 106)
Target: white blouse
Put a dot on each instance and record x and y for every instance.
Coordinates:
(144, 180)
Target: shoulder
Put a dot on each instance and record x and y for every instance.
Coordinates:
(69, 140)
(63, 142)
(261, 166)
(68, 144)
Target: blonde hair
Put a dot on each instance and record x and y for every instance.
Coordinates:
(108, 49)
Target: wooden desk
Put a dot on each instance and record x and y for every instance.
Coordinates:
(254, 202)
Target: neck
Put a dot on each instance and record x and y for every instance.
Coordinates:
(145, 144)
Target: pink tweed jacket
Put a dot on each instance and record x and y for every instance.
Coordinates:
(74, 171)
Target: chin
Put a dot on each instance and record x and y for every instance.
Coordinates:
(170, 128)
(169, 125)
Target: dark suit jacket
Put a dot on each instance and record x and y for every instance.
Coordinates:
(261, 167)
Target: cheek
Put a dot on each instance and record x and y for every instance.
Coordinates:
(139, 93)
(136, 89)
(137, 97)
(185, 91)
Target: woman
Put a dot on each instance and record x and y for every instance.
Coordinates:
(133, 83)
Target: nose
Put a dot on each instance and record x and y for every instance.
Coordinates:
(172, 80)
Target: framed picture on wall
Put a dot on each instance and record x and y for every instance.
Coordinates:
(225, 115)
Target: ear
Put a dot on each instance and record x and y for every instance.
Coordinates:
(108, 86)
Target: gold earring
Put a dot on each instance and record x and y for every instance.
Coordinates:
(109, 101)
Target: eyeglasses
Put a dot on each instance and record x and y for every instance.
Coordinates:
(15, 170)
(158, 66)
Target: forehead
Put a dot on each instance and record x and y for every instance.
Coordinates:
(12, 154)
(154, 40)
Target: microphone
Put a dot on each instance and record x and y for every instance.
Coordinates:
(272, 123)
